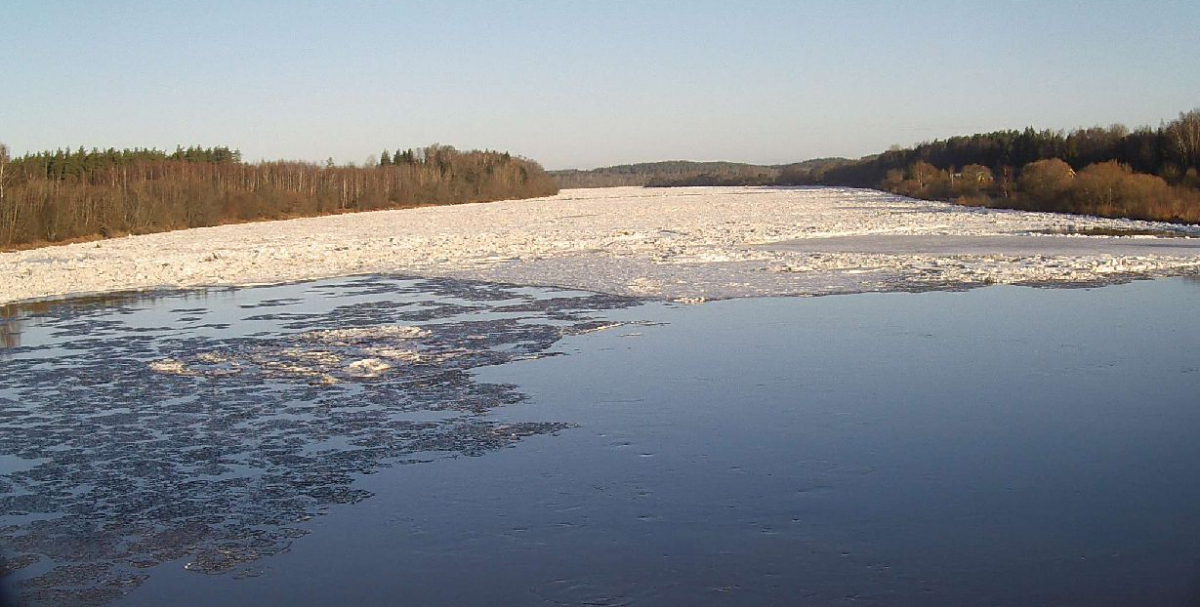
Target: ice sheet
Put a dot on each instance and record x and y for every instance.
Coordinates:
(681, 243)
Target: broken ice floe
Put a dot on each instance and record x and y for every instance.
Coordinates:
(713, 243)
(152, 447)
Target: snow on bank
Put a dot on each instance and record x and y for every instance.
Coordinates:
(680, 243)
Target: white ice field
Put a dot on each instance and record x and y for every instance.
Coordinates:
(685, 244)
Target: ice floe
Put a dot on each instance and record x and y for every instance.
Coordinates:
(684, 244)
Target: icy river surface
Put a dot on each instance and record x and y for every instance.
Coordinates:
(384, 440)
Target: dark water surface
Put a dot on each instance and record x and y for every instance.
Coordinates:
(1002, 446)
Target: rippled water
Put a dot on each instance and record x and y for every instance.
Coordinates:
(1003, 446)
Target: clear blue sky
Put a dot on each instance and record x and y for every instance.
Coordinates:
(583, 84)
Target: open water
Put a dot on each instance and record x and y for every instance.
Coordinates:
(394, 441)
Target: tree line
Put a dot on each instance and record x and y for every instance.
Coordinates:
(1172, 152)
(1108, 171)
(63, 195)
(668, 173)
(1145, 173)
(1105, 189)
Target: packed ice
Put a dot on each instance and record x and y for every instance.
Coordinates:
(685, 244)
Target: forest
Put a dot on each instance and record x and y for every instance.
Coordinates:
(66, 195)
(1145, 173)
(674, 173)
(668, 173)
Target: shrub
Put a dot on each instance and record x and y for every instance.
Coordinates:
(1047, 183)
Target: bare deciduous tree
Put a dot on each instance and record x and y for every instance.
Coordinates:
(1184, 135)
(68, 194)
(3, 165)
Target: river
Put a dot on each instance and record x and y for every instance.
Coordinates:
(386, 440)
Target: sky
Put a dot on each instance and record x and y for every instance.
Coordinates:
(577, 84)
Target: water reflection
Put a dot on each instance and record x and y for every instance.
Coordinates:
(10, 331)
(137, 430)
(15, 316)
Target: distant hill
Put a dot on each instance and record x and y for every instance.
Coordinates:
(810, 171)
(686, 172)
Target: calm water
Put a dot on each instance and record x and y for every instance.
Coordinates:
(1002, 446)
